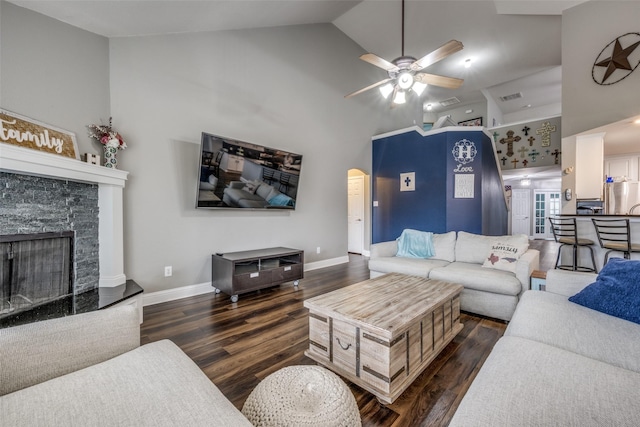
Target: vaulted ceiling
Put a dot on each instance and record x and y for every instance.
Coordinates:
(514, 45)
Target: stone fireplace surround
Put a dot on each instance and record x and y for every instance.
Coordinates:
(110, 184)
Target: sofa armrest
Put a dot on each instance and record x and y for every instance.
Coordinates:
(528, 262)
(568, 283)
(40, 351)
(384, 249)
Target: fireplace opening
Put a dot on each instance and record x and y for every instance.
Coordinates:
(35, 270)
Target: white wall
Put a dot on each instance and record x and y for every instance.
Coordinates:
(586, 30)
(280, 87)
(53, 72)
(459, 114)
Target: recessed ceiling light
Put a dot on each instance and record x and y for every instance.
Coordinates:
(429, 107)
(637, 122)
(526, 106)
(467, 63)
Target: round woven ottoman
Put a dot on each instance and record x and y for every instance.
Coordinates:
(302, 396)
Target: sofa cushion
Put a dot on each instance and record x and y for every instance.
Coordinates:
(253, 204)
(616, 291)
(444, 246)
(552, 319)
(156, 384)
(411, 266)
(474, 276)
(264, 190)
(504, 256)
(475, 248)
(415, 244)
(527, 383)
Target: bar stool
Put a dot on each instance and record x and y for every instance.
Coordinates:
(615, 235)
(565, 232)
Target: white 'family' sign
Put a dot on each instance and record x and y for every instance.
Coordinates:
(25, 132)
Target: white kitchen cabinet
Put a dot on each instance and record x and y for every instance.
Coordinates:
(623, 165)
(589, 166)
(232, 163)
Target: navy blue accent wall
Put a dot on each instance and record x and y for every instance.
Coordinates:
(432, 206)
(495, 216)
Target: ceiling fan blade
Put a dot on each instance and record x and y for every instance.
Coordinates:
(378, 62)
(439, 54)
(380, 83)
(442, 81)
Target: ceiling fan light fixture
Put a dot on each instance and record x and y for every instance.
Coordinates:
(386, 90)
(400, 98)
(418, 87)
(405, 80)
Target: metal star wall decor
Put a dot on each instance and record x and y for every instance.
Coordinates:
(617, 60)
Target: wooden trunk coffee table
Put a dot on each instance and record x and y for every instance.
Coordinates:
(383, 332)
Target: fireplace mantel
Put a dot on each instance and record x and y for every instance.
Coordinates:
(110, 183)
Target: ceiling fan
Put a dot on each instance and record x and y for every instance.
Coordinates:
(404, 71)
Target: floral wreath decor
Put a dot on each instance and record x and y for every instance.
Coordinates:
(106, 136)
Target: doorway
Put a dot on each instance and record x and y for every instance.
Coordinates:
(355, 214)
(521, 211)
(547, 203)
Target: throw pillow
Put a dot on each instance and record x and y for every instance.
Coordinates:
(616, 290)
(503, 256)
(251, 187)
(415, 244)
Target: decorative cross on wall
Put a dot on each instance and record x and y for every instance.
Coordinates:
(556, 153)
(525, 162)
(545, 131)
(407, 181)
(515, 162)
(533, 154)
(495, 136)
(522, 151)
(531, 139)
(509, 140)
(526, 130)
(504, 161)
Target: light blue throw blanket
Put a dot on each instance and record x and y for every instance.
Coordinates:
(415, 244)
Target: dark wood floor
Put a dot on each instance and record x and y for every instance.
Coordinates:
(237, 345)
(548, 253)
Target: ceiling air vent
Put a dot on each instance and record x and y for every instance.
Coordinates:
(450, 101)
(510, 97)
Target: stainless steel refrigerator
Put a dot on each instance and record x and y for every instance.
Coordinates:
(620, 197)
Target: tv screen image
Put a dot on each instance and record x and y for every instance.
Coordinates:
(241, 175)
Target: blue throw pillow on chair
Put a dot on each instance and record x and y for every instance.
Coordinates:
(616, 291)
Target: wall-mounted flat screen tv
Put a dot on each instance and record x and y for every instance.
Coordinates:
(241, 175)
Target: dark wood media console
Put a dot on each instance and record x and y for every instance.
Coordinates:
(237, 273)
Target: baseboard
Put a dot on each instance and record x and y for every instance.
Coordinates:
(366, 253)
(326, 263)
(176, 293)
(205, 288)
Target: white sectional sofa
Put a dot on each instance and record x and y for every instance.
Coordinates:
(558, 364)
(90, 370)
(460, 258)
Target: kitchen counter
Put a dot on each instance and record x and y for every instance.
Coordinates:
(586, 230)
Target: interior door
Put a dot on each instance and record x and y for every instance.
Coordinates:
(521, 211)
(547, 203)
(355, 215)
